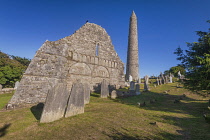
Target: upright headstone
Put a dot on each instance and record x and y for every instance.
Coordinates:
(104, 89)
(0, 88)
(114, 94)
(170, 78)
(16, 84)
(146, 83)
(76, 100)
(86, 93)
(55, 103)
(179, 75)
(166, 79)
(157, 81)
(130, 78)
(132, 88)
(137, 89)
(160, 80)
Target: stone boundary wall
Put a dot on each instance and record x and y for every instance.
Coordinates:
(7, 90)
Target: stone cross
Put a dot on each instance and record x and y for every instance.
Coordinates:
(137, 89)
(104, 89)
(55, 104)
(76, 100)
(146, 83)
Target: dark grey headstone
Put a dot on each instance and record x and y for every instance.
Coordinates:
(86, 93)
(132, 85)
(104, 89)
(137, 89)
(55, 103)
(76, 100)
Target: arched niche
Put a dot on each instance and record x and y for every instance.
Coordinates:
(101, 71)
(80, 69)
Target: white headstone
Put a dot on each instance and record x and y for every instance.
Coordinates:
(130, 78)
(16, 84)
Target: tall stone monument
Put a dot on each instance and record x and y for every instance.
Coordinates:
(132, 67)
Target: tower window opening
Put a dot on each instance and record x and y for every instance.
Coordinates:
(97, 50)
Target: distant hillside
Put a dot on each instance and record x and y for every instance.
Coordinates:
(11, 69)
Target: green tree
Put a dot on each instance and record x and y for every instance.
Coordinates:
(196, 60)
(24, 61)
(11, 70)
(176, 69)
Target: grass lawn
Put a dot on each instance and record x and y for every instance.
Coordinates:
(120, 119)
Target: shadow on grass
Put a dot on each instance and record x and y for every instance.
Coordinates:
(116, 135)
(193, 110)
(95, 94)
(37, 110)
(3, 130)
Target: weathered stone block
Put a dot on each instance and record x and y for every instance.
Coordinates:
(114, 94)
(104, 89)
(76, 100)
(55, 104)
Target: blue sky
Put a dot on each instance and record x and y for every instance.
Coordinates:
(163, 25)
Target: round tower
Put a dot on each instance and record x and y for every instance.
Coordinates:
(132, 67)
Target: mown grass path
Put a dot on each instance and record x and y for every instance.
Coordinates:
(118, 119)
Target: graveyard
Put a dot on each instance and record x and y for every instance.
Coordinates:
(93, 80)
(121, 118)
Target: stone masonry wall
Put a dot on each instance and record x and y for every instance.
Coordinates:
(72, 58)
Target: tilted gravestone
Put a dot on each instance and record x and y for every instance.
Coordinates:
(137, 89)
(104, 89)
(132, 88)
(76, 100)
(86, 93)
(162, 78)
(114, 94)
(55, 103)
(16, 84)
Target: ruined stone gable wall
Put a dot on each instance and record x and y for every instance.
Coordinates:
(68, 60)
